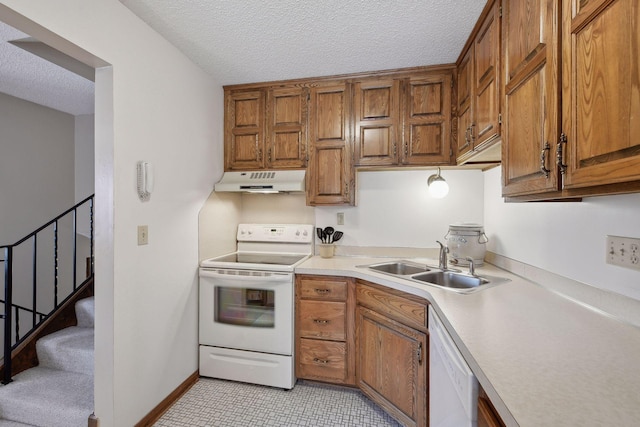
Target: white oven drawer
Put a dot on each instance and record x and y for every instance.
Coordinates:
(256, 368)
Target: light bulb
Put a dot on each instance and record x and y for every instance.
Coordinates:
(438, 187)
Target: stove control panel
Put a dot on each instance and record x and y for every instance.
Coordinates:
(290, 233)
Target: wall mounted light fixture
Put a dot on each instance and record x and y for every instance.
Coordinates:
(438, 187)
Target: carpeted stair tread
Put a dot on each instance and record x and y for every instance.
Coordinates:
(70, 349)
(85, 312)
(48, 398)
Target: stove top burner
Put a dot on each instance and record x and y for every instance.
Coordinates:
(260, 258)
(267, 247)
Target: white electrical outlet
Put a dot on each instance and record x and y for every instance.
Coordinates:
(143, 235)
(340, 218)
(623, 251)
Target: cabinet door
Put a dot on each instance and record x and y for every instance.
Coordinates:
(601, 99)
(377, 116)
(487, 414)
(465, 107)
(244, 130)
(392, 366)
(531, 99)
(329, 175)
(286, 128)
(427, 120)
(486, 126)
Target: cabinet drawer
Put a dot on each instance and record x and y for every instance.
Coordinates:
(402, 309)
(322, 319)
(322, 360)
(329, 289)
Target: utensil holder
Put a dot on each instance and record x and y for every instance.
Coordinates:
(326, 250)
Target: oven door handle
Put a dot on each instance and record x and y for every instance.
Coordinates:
(253, 276)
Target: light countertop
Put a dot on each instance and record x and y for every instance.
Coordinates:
(543, 359)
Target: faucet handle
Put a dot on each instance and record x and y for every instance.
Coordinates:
(472, 269)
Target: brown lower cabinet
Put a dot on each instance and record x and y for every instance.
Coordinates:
(487, 414)
(392, 345)
(392, 366)
(325, 329)
(355, 333)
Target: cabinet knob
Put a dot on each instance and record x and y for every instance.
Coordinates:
(321, 321)
(322, 361)
(322, 291)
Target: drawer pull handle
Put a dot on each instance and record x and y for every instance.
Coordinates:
(322, 291)
(322, 361)
(321, 321)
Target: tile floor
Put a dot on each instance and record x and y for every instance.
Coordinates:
(217, 403)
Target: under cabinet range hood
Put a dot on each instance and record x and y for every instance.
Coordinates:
(280, 181)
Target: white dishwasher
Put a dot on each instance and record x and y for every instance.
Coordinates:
(453, 389)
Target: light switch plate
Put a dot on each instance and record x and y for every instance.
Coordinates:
(143, 235)
(340, 218)
(623, 251)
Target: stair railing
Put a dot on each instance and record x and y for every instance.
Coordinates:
(13, 337)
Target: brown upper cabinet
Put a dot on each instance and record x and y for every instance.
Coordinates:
(330, 172)
(601, 92)
(244, 130)
(377, 121)
(403, 120)
(427, 119)
(571, 109)
(479, 114)
(332, 125)
(266, 128)
(287, 127)
(531, 101)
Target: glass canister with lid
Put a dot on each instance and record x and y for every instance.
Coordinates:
(466, 240)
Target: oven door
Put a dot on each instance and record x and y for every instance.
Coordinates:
(247, 310)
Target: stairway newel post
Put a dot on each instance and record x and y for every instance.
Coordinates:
(8, 279)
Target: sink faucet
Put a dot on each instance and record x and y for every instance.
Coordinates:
(444, 250)
(472, 269)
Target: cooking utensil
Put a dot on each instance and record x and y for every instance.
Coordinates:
(320, 234)
(329, 231)
(337, 236)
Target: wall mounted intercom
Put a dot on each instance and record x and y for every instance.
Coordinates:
(145, 180)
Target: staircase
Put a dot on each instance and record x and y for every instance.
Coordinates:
(59, 391)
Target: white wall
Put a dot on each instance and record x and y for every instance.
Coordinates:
(276, 209)
(394, 208)
(151, 104)
(563, 237)
(84, 156)
(36, 166)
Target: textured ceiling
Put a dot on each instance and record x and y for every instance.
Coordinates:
(259, 40)
(242, 41)
(27, 76)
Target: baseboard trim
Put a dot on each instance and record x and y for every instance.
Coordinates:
(155, 414)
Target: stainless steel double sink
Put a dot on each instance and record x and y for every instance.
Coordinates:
(453, 280)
